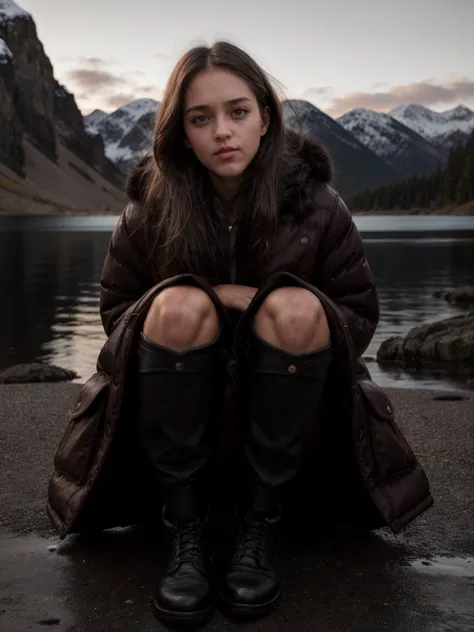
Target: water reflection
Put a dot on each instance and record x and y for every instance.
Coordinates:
(52, 282)
(50, 275)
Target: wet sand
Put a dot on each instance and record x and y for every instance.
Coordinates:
(420, 580)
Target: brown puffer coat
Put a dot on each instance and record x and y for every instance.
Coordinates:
(100, 478)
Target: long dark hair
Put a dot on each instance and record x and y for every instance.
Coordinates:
(179, 199)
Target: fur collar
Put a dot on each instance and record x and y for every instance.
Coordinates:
(309, 167)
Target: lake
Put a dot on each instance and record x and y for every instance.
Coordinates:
(50, 281)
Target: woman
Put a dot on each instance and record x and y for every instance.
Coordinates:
(235, 267)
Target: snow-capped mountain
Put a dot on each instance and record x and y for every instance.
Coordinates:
(367, 148)
(356, 165)
(442, 128)
(404, 149)
(93, 119)
(126, 132)
(10, 11)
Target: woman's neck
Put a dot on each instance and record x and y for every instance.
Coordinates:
(226, 192)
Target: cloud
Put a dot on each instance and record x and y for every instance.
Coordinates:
(148, 89)
(91, 79)
(95, 62)
(426, 93)
(161, 57)
(318, 92)
(116, 100)
(95, 83)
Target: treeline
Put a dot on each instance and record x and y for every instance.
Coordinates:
(451, 186)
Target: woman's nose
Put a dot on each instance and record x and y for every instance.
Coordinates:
(221, 129)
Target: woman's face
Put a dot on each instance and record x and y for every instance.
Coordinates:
(222, 122)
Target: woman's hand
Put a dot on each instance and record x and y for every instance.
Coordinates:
(235, 296)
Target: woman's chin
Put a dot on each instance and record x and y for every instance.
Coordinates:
(229, 171)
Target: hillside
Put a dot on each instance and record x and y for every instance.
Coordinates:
(65, 186)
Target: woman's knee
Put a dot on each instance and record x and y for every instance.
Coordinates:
(181, 317)
(294, 316)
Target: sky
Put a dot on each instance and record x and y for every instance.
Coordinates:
(337, 54)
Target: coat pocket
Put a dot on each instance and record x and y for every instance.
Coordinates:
(391, 452)
(80, 440)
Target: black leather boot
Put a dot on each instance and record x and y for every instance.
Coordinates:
(179, 396)
(251, 586)
(279, 396)
(184, 594)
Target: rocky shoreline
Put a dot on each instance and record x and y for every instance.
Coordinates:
(446, 344)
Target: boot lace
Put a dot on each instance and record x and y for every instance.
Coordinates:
(187, 544)
(252, 538)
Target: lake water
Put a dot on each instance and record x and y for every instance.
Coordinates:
(50, 280)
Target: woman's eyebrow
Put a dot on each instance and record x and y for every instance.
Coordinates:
(193, 108)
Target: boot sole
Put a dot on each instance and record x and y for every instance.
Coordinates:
(249, 610)
(183, 618)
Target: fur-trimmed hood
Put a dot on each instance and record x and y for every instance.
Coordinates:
(308, 166)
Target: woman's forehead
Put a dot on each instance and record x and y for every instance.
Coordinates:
(216, 86)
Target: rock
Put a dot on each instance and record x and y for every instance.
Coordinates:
(391, 350)
(445, 343)
(33, 77)
(458, 295)
(71, 129)
(35, 372)
(11, 130)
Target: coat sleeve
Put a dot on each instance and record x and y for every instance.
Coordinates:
(125, 277)
(347, 278)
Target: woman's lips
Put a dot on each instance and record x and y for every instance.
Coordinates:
(228, 153)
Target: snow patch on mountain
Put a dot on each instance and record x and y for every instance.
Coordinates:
(92, 121)
(5, 53)
(443, 128)
(9, 10)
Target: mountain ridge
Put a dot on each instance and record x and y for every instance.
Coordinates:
(404, 149)
(39, 116)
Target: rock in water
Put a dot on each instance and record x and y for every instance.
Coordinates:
(446, 343)
(459, 295)
(35, 372)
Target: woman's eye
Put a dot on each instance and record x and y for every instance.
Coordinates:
(198, 120)
(240, 112)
